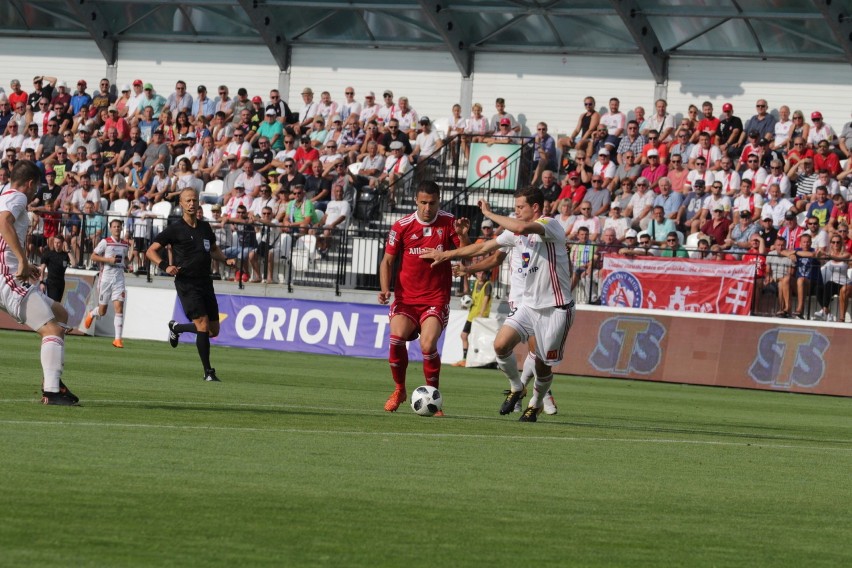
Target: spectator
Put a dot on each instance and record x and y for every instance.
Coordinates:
(835, 272)
(790, 231)
(544, 152)
(180, 100)
(730, 133)
(672, 247)
(807, 272)
(740, 233)
(641, 205)
(573, 190)
(718, 226)
(820, 131)
(587, 124)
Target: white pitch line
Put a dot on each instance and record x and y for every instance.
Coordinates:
(501, 437)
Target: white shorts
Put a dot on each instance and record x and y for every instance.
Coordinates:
(549, 326)
(27, 304)
(110, 289)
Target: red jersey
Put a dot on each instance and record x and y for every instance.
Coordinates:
(709, 125)
(417, 283)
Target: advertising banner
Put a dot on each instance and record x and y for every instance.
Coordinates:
(720, 352)
(306, 326)
(678, 284)
(493, 159)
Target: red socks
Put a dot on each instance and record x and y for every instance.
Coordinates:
(398, 360)
(432, 368)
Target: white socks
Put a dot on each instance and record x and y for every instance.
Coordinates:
(52, 356)
(118, 323)
(528, 371)
(509, 366)
(542, 385)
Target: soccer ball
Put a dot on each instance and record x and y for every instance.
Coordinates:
(465, 302)
(426, 400)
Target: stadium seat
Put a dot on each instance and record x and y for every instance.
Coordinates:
(162, 209)
(213, 190)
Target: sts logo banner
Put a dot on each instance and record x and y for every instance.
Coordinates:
(788, 357)
(628, 345)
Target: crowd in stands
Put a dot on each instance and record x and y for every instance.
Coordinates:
(707, 186)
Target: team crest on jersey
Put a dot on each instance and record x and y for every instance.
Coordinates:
(206, 245)
(621, 289)
(440, 233)
(427, 231)
(525, 259)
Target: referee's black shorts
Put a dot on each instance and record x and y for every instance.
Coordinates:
(197, 298)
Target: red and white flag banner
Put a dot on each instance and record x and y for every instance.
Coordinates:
(678, 284)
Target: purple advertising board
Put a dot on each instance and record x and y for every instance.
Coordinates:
(304, 326)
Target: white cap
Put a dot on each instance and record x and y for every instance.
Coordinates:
(652, 153)
(603, 152)
(630, 234)
(396, 145)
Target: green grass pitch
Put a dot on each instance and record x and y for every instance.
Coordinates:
(291, 461)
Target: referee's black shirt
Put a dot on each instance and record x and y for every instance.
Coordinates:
(190, 248)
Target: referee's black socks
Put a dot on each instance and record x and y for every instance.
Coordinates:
(202, 343)
(185, 328)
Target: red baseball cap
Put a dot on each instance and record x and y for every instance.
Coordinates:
(816, 115)
(256, 99)
(137, 82)
(573, 174)
(727, 107)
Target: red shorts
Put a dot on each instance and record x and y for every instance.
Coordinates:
(418, 315)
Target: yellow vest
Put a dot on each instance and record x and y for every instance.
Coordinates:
(481, 296)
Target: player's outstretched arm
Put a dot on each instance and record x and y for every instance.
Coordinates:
(468, 251)
(487, 263)
(510, 223)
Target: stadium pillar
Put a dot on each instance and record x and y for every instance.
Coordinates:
(661, 91)
(112, 76)
(284, 83)
(466, 95)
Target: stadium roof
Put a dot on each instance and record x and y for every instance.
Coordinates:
(800, 30)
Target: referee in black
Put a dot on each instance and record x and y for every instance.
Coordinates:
(193, 246)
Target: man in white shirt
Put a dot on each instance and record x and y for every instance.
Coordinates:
(350, 110)
(427, 141)
(615, 123)
(547, 310)
(28, 304)
(661, 121)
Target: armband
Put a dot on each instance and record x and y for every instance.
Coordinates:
(163, 265)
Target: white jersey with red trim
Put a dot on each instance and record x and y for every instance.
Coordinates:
(109, 247)
(517, 272)
(547, 281)
(15, 203)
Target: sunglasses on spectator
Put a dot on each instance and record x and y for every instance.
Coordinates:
(676, 161)
(760, 106)
(671, 240)
(597, 181)
(682, 136)
(350, 92)
(652, 138)
(837, 242)
(588, 104)
(700, 163)
(641, 185)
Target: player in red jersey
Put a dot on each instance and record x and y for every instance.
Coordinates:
(421, 303)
